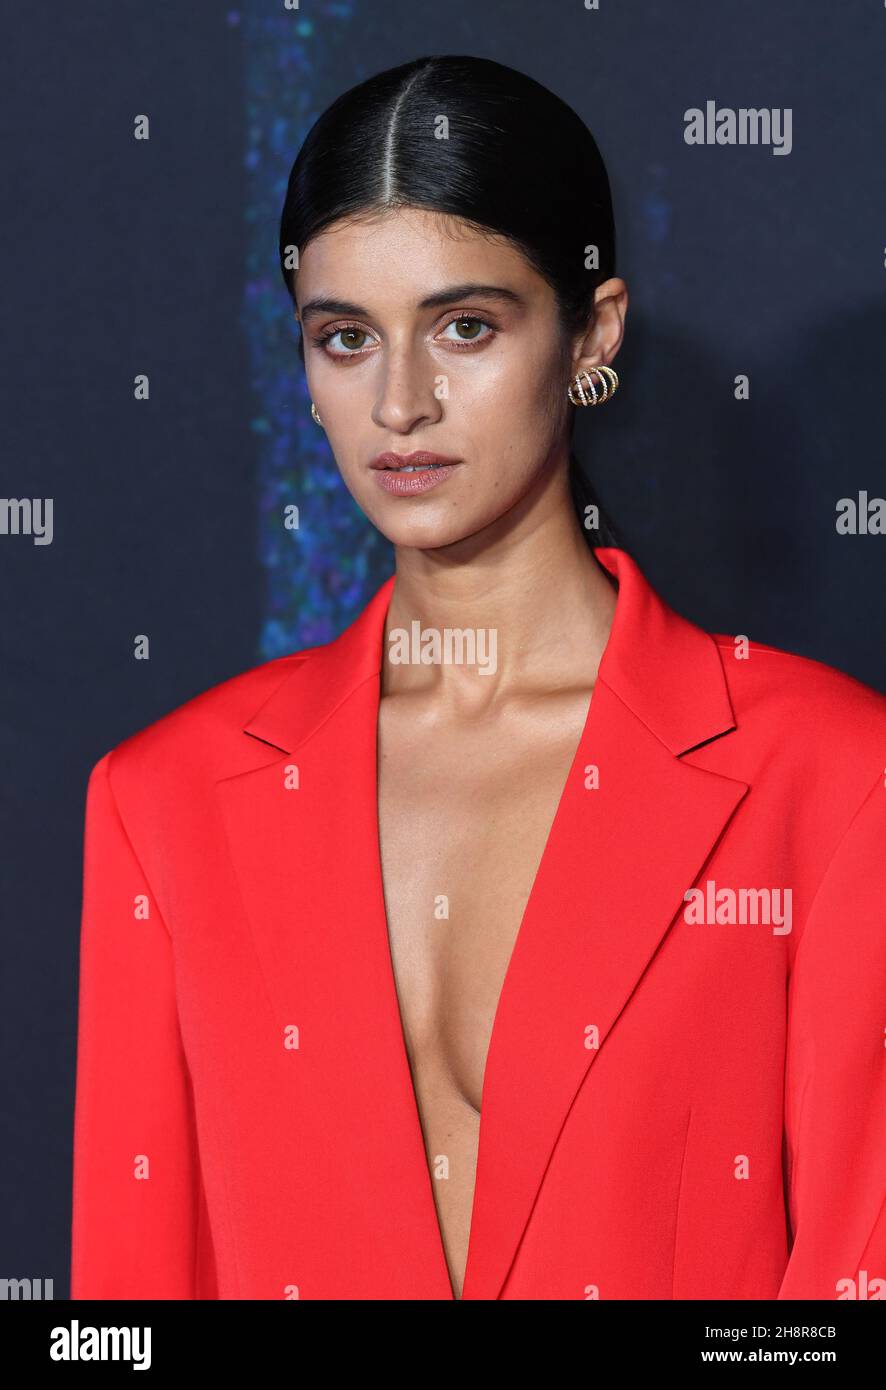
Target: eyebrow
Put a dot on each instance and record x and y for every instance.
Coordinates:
(449, 295)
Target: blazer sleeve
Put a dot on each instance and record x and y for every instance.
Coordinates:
(136, 1180)
(835, 1120)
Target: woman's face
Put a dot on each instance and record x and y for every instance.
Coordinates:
(421, 334)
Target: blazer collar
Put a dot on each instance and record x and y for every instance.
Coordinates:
(664, 668)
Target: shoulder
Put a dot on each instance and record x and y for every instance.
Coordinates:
(818, 730)
(786, 686)
(202, 733)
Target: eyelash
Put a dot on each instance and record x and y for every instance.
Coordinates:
(321, 339)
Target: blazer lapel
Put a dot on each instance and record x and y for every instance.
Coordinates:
(302, 832)
(605, 894)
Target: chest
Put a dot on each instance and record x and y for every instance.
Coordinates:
(464, 817)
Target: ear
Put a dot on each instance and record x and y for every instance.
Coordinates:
(602, 338)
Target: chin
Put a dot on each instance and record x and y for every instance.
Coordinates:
(423, 536)
(403, 524)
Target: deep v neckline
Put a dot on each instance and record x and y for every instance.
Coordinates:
(505, 996)
(307, 881)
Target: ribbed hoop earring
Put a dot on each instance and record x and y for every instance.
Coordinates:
(315, 415)
(582, 383)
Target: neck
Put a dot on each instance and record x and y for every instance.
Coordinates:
(531, 580)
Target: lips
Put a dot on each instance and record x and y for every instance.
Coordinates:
(412, 475)
(419, 461)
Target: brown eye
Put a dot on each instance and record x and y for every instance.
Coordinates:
(468, 328)
(344, 342)
(349, 337)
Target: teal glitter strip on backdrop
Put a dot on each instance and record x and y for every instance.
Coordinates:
(320, 575)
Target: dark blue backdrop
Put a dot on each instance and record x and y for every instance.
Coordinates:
(125, 257)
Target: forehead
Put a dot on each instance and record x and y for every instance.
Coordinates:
(402, 254)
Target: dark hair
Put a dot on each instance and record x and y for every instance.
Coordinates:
(479, 141)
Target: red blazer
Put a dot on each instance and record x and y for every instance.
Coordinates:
(685, 1094)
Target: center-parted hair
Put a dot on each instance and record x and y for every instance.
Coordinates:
(479, 141)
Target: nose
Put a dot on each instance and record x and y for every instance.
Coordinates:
(407, 393)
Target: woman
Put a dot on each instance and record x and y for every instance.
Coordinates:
(518, 791)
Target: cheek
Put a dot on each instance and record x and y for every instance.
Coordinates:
(513, 412)
(345, 413)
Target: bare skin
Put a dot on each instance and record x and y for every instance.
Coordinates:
(471, 766)
(465, 806)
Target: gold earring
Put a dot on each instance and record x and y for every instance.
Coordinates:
(608, 376)
(314, 414)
